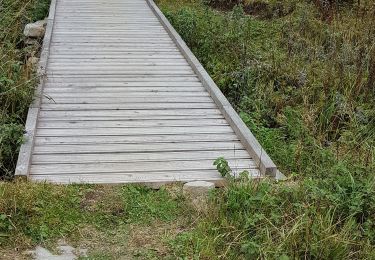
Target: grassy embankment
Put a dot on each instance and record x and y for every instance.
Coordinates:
(302, 79)
(17, 80)
(302, 75)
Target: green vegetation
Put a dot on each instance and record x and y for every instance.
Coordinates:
(302, 76)
(33, 214)
(303, 80)
(17, 80)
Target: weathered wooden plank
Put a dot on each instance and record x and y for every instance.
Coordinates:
(125, 79)
(254, 148)
(107, 25)
(51, 124)
(180, 176)
(133, 167)
(61, 63)
(125, 60)
(132, 70)
(122, 102)
(119, 100)
(132, 106)
(128, 84)
(120, 56)
(26, 149)
(116, 63)
(122, 23)
(125, 94)
(143, 118)
(135, 131)
(50, 91)
(128, 95)
(143, 72)
(139, 157)
(140, 147)
(114, 45)
(103, 64)
(140, 114)
(139, 177)
(129, 49)
(110, 29)
(136, 139)
(62, 40)
(114, 18)
(24, 157)
(107, 33)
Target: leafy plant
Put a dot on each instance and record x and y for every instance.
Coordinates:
(223, 167)
(300, 83)
(17, 80)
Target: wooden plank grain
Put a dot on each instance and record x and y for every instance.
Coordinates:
(136, 139)
(134, 114)
(52, 124)
(122, 103)
(158, 177)
(98, 131)
(139, 147)
(101, 178)
(117, 100)
(267, 166)
(126, 106)
(26, 149)
(53, 159)
(133, 167)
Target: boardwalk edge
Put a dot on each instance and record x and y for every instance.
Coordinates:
(24, 157)
(266, 165)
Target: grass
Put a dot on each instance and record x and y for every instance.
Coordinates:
(302, 79)
(101, 218)
(17, 80)
(303, 82)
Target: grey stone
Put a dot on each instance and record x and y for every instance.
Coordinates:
(35, 30)
(67, 253)
(41, 253)
(198, 188)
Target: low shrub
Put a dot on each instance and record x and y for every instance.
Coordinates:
(17, 80)
(304, 86)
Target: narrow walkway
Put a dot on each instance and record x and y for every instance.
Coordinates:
(122, 103)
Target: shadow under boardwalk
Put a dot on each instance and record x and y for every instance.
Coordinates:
(123, 100)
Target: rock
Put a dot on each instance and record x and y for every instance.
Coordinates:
(35, 30)
(67, 252)
(198, 188)
(32, 62)
(280, 177)
(197, 192)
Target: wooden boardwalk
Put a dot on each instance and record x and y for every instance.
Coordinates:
(122, 99)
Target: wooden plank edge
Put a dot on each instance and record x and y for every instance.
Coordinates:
(266, 165)
(26, 149)
(155, 185)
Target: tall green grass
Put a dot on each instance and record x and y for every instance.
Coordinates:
(17, 81)
(304, 84)
(32, 213)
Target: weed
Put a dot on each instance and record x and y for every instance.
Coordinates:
(301, 84)
(142, 204)
(41, 213)
(17, 80)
